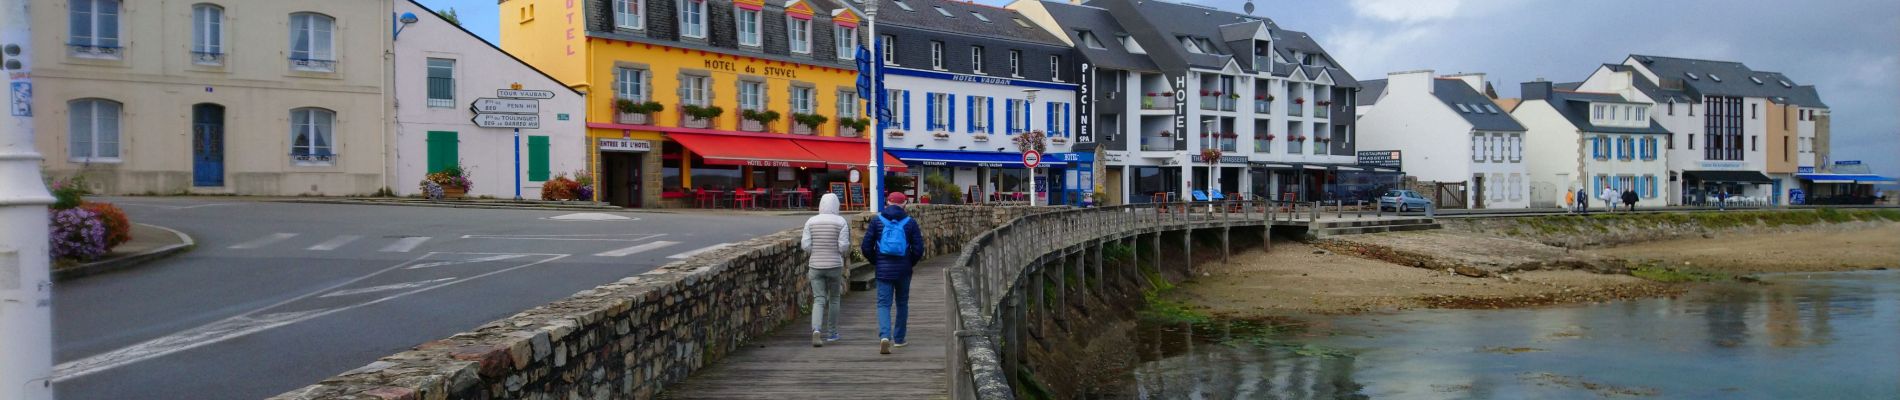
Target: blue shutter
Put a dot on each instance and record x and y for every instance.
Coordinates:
(989, 105)
(1009, 112)
(1067, 122)
(950, 119)
(969, 107)
(907, 115)
(1049, 118)
(930, 111)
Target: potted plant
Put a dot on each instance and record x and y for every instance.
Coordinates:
(1234, 96)
(1299, 138)
(586, 182)
(636, 113)
(1230, 135)
(1059, 140)
(1148, 101)
(894, 133)
(940, 135)
(1210, 155)
(851, 127)
(980, 138)
(805, 124)
(1299, 100)
(1323, 103)
(697, 116)
(452, 182)
(1165, 133)
(1271, 137)
(755, 120)
(1032, 140)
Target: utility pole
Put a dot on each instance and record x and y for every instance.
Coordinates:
(26, 286)
(876, 162)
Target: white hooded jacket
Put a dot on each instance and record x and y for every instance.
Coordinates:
(830, 234)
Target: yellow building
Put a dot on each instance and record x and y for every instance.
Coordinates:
(744, 58)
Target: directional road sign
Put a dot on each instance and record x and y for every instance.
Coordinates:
(524, 94)
(507, 121)
(489, 105)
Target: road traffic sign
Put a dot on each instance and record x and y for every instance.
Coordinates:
(507, 121)
(1032, 158)
(489, 105)
(524, 94)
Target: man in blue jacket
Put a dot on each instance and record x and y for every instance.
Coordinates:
(894, 243)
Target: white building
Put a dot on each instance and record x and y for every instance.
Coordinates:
(1446, 130)
(440, 70)
(1578, 140)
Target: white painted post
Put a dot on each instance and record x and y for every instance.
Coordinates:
(875, 164)
(26, 310)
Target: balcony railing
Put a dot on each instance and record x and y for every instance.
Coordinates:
(1157, 102)
(1229, 103)
(1230, 145)
(312, 64)
(1322, 112)
(1295, 110)
(94, 50)
(1157, 143)
(1262, 107)
(1210, 102)
(1262, 146)
(207, 57)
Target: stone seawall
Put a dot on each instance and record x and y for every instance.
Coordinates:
(1600, 230)
(630, 339)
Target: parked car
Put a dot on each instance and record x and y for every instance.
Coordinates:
(1402, 200)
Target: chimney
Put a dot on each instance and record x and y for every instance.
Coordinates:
(1537, 90)
(1475, 80)
(1409, 82)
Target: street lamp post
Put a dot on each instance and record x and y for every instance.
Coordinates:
(26, 310)
(1029, 103)
(876, 161)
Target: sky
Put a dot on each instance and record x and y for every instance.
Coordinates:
(1848, 49)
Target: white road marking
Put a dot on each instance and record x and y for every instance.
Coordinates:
(699, 250)
(635, 249)
(244, 324)
(589, 217)
(264, 241)
(334, 242)
(385, 288)
(498, 257)
(405, 244)
(606, 237)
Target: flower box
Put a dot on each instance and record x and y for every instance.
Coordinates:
(846, 131)
(751, 126)
(894, 134)
(801, 129)
(454, 192)
(940, 135)
(1059, 140)
(635, 119)
(980, 138)
(690, 122)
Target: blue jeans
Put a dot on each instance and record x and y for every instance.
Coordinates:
(886, 290)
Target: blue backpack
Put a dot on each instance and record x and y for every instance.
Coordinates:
(894, 241)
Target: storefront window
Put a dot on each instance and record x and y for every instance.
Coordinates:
(717, 177)
(1011, 179)
(670, 167)
(1151, 180)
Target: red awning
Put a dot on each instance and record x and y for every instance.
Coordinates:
(842, 155)
(744, 150)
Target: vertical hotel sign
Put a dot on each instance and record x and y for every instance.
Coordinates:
(1085, 105)
(1180, 111)
(570, 25)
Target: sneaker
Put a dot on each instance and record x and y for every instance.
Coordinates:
(900, 344)
(883, 346)
(833, 337)
(817, 339)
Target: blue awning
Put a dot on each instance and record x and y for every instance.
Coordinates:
(953, 158)
(1864, 179)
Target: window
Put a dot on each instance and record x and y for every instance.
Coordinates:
(310, 140)
(310, 42)
(1642, 114)
(1672, 107)
(94, 28)
(979, 17)
(1754, 111)
(1692, 76)
(93, 130)
(630, 84)
(936, 54)
(1055, 68)
(1477, 147)
(1492, 108)
(1131, 44)
(1691, 141)
(804, 100)
(1497, 148)
(207, 34)
(751, 95)
(906, 7)
(976, 59)
(1056, 119)
(1598, 111)
(941, 11)
(898, 101)
(693, 18)
(890, 49)
(1088, 38)
(1517, 147)
(1016, 63)
(441, 83)
(847, 104)
(800, 34)
(847, 38)
(749, 34)
(630, 14)
(1757, 80)
(1461, 108)
(1019, 22)
(1715, 78)
(1754, 145)
(940, 117)
(1188, 43)
(693, 89)
(1018, 118)
(979, 114)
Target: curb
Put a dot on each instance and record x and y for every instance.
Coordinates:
(574, 207)
(129, 261)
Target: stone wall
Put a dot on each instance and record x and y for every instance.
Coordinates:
(1600, 229)
(630, 339)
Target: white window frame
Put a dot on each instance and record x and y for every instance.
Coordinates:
(207, 34)
(979, 114)
(1598, 111)
(87, 125)
(751, 95)
(692, 18)
(936, 55)
(894, 99)
(694, 90)
(940, 118)
(1022, 115)
(798, 30)
(430, 66)
(1016, 63)
(747, 18)
(1055, 68)
(318, 32)
(630, 14)
(1477, 147)
(630, 84)
(847, 39)
(804, 100)
(1517, 147)
(92, 40)
(847, 104)
(306, 121)
(890, 49)
(976, 59)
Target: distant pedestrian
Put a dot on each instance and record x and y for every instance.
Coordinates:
(827, 240)
(1609, 197)
(895, 244)
(1583, 201)
(1629, 199)
(1721, 200)
(1570, 201)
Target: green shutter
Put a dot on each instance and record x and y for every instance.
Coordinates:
(538, 158)
(444, 150)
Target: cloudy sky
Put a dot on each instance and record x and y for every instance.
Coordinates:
(1849, 49)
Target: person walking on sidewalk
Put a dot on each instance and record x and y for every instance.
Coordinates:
(1629, 199)
(1609, 198)
(1570, 201)
(827, 240)
(894, 242)
(1583, 200)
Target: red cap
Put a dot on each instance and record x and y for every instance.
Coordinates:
(896, 198)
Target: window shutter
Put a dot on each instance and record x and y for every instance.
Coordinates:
(1009, 109)
(969, 104)
(989, 106)
(1066, 122)
(950, 112)
(930, 111)
(538, 158)
(443, 150)
(907, 115)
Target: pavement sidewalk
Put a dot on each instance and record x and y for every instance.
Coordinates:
(149, 243)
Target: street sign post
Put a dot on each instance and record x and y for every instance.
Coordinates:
(489, 105)
(524, 94)
(1031, 159)
(515, 109)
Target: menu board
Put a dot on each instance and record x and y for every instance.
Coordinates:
(838, 189)
(857, 195)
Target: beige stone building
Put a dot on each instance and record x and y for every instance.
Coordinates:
(252, 97)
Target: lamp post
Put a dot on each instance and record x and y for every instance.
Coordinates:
(876, 160)
(1029, 103)
(26, 313)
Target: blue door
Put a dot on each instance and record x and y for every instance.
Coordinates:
(207, 145)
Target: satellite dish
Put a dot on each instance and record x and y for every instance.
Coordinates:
(1248, 8)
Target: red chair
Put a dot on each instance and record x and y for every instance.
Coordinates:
(706, 198)
(742, 199)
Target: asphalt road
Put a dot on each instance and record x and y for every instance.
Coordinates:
(281, 295)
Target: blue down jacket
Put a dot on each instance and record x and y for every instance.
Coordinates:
(893, 267)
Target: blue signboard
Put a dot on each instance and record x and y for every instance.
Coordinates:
(1797, 197)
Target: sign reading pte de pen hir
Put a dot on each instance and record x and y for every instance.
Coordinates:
(487, 105)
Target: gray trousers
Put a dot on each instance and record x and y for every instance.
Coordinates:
(827, 285)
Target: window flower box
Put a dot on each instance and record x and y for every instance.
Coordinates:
(940, 135)
(852, 127)
(1059, 140)
(751, 126)
(632, 112)
(979, 138)
(894, 134)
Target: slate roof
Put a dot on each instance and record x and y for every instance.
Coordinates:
(1478, 109)
(1076, 18)
(1575, 106)
(1370, 92)
(1700, 78)
(1001, 24)
(1164, 24)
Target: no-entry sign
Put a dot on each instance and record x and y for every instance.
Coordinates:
(1032, 158)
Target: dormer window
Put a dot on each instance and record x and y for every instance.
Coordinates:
(1088, 39)
(1188, 43)
(1131, 44)
(1787, 85)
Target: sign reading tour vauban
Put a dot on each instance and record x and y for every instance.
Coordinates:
(524, 94)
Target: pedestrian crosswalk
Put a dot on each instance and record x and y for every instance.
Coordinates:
(628, 244)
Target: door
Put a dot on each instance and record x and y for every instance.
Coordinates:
(207, 145)
(620, 179)
(1477, 191)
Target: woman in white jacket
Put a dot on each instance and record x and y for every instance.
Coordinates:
(827, 241)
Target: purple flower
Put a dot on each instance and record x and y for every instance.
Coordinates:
(77, 234)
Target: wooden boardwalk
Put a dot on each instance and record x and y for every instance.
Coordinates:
(786, 366)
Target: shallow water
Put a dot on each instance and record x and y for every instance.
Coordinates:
(1825, 336)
